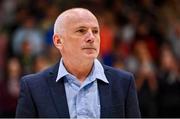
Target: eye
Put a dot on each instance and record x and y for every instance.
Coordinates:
(82, 31)
(95, 31)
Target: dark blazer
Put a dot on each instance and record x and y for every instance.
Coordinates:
(42, 96)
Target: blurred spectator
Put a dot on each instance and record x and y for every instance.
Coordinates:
(146, 81)
(143, 33)
(40, 63)
(169, 85)
(106, 33)
(30, 33)
(174, 38)
(3, 52)
(50, 15)
(169, 12)
(117, 55)
(47, 23)
(10, 89)
(7, 12)
(26, 57)
(53, 55)
(129, 29)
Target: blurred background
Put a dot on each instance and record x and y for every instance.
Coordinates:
(141, 36)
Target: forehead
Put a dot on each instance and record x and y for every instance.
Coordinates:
(81, 19)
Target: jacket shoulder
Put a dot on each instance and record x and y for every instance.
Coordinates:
(118, 73)
(40, 76)
(35, 76)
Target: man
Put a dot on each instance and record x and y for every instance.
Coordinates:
(78, 86)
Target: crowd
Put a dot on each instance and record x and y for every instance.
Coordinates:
(140, 36)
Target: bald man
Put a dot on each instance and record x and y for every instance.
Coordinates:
(78, 86)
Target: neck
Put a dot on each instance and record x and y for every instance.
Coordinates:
(79, 69)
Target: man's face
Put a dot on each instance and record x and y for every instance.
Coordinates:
(81, 37)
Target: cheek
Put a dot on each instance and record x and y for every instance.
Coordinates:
(98, 42)
(98, 38)
(72, 47)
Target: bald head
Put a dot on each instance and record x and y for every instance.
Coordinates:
(65, 18)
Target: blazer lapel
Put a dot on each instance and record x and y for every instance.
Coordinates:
(105, 97)
(58, 93)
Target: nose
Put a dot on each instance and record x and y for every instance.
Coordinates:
(90, 36)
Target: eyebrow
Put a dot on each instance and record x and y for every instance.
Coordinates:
(96, 27)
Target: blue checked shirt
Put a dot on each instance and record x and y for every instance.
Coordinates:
(83, 99)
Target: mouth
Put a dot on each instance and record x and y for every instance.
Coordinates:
(89, 48)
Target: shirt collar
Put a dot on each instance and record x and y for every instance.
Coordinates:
(61, 71)
(98, 71)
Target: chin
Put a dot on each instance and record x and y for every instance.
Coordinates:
(91, 56)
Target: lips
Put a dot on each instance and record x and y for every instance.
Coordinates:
(84, 48)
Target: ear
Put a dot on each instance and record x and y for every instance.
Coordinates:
(57, 41)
